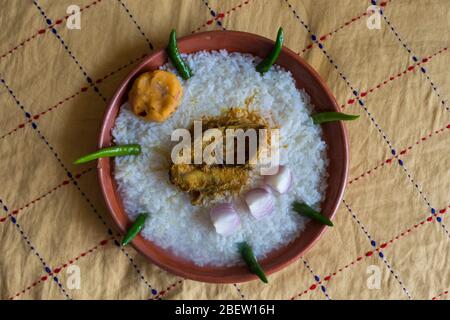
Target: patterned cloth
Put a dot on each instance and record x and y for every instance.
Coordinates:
(55, 82)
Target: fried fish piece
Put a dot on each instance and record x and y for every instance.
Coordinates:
(237, 119)
(208, 181)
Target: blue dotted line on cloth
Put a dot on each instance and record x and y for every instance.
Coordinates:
(381, 255)
(361, 103)
(52, 150)
(433, 211)
(33, 249)
(422, 194)
(152, 290)
(238, 289)
(66, 47)
(402, 165)
(435, 89)
(214, 14)
(416, 185)
(373, 243)
(136, 24)
(414, 58)
(345, 78)
(54, 31)
(316, 278)
(355, 93)
(69, 174)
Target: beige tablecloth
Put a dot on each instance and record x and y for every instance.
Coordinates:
(391, 234)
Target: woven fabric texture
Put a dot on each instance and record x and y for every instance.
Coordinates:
(55, 84)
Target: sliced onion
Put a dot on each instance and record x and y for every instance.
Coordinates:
(267, 188)
(282, 181)
(260, 202)
(225, 218)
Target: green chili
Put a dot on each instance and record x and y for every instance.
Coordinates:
(305, 210)
(175, 56)
(249, 258)
(324, 117)
(123, 150)
(265, 65)
(135, 229)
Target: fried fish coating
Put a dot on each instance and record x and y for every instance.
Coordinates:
(208, 181)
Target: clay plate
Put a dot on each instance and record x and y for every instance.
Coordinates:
(334, 134)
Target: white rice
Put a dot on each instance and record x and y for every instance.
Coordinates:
(221, 80)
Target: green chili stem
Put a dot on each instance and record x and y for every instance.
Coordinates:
(175, 56)
(115, 151)
(331, 116)
(135, 229)
(249, 258)
(265, 65)
(305, 210)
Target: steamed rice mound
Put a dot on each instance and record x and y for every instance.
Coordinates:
(221, 80)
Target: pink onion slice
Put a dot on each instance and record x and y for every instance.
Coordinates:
(225, 218)
(280, 182)
(267, 188)
(260, 202)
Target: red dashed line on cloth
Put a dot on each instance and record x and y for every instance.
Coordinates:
(409, 230)
(162, 293)
(98, 81)
(346, 24)
(373, 244)
(57, 270)
(370, 253)
(440, 295)
(44, 31)
(401, 153)
(222, 15)
(34, 284)
(83, 254)
(37, 116)
(82, 90)
(15, 212)
(316, 277)
(409, 69)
